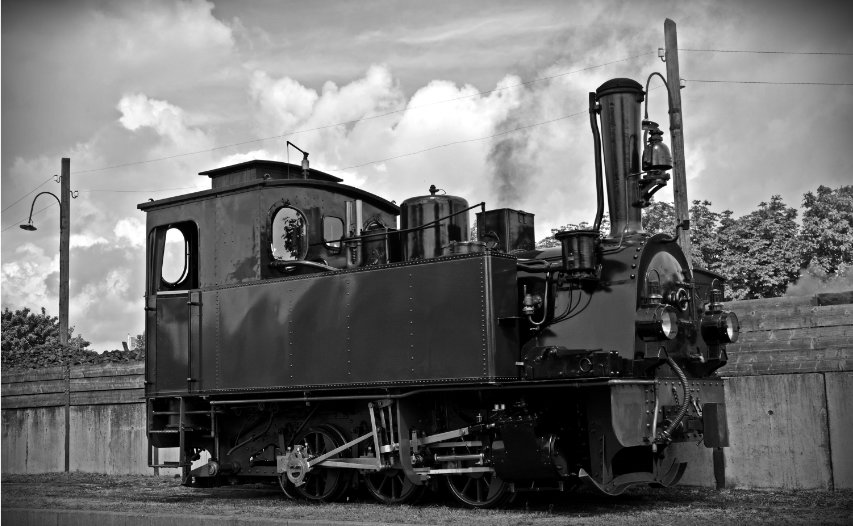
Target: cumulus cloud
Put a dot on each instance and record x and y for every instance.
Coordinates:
(86, 240)
(167, 36)
(167, 120)
(130, 230)
(24, 278)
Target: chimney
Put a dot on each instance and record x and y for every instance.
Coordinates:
(620, 101)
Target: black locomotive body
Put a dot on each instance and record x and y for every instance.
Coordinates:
(305, 337)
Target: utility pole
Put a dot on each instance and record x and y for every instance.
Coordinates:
(676, 130)
(64, 200)
(64, 249)
(64, 246)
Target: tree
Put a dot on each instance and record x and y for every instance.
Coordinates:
(138, 342)
(705, 237)
(760, 251)
(551, 241)
(32, 340)
(827, 233)
(659, 217)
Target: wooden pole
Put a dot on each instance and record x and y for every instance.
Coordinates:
(676, 130)
(64, 248)
(64, 245)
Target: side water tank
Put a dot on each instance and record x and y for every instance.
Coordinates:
(423, 236)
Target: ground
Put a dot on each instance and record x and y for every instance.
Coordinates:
(136, 493)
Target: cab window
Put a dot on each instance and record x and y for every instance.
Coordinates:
(175, 253)
(333, 230)
(289, 235)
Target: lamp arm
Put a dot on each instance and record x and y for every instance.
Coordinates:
(32, 206)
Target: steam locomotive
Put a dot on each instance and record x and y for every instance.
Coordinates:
(297, 332)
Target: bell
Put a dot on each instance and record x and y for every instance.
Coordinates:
(656, 154)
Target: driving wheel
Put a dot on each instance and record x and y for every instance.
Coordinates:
(391, 486)
(322, 484)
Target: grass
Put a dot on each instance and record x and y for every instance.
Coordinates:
(145, 494)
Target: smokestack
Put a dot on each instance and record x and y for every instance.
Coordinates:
(620, 101)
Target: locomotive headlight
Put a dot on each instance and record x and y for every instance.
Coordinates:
(657, 322)
(720, 328)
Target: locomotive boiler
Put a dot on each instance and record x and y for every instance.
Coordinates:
(304, 331)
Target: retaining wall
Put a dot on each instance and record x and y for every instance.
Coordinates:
(789, 392)
(789, 387)
(106, 419)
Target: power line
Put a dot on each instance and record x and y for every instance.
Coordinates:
(37, 212)
(770, 52)
(28, 193)
(462, 141)
(774, 83)
(107, 190)
(505, 132)
(362, 119)
(343, 123)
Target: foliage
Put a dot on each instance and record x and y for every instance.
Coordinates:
(814, 280)
(551, 241)
(762, 252)
(31, 341)
(706, 250)
(659, 217)
(138, 343)
(827, 234)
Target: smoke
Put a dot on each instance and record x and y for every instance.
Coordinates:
(813, 281)
(510, 166)
(547, 167)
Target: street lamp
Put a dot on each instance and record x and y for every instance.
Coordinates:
(30, 226)
(64, 242)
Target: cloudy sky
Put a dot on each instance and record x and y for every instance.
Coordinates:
(144, 95)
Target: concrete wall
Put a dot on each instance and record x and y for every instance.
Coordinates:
(792, 335)
(107, 421)
(789, 387)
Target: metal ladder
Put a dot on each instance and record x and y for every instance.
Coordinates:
(181, 429)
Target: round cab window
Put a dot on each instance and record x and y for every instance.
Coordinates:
(289, 235)
(175, 257)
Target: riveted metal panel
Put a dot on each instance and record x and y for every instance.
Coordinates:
(317, 346)
(237, 238)
(252, 334)
(172, 342)
(423, 322)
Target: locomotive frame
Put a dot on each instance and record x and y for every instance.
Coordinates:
(304, 337)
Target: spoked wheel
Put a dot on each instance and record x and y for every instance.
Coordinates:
(391, 486)
(287, 486)
(478, 490)
(322, 484)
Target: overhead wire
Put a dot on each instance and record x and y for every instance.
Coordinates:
(28, 193)
(109, 190)
(840, 53)
(37, 212)
(362, 119)
(475, 139)
(771, 82)
(463, 141)
(420, 106)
